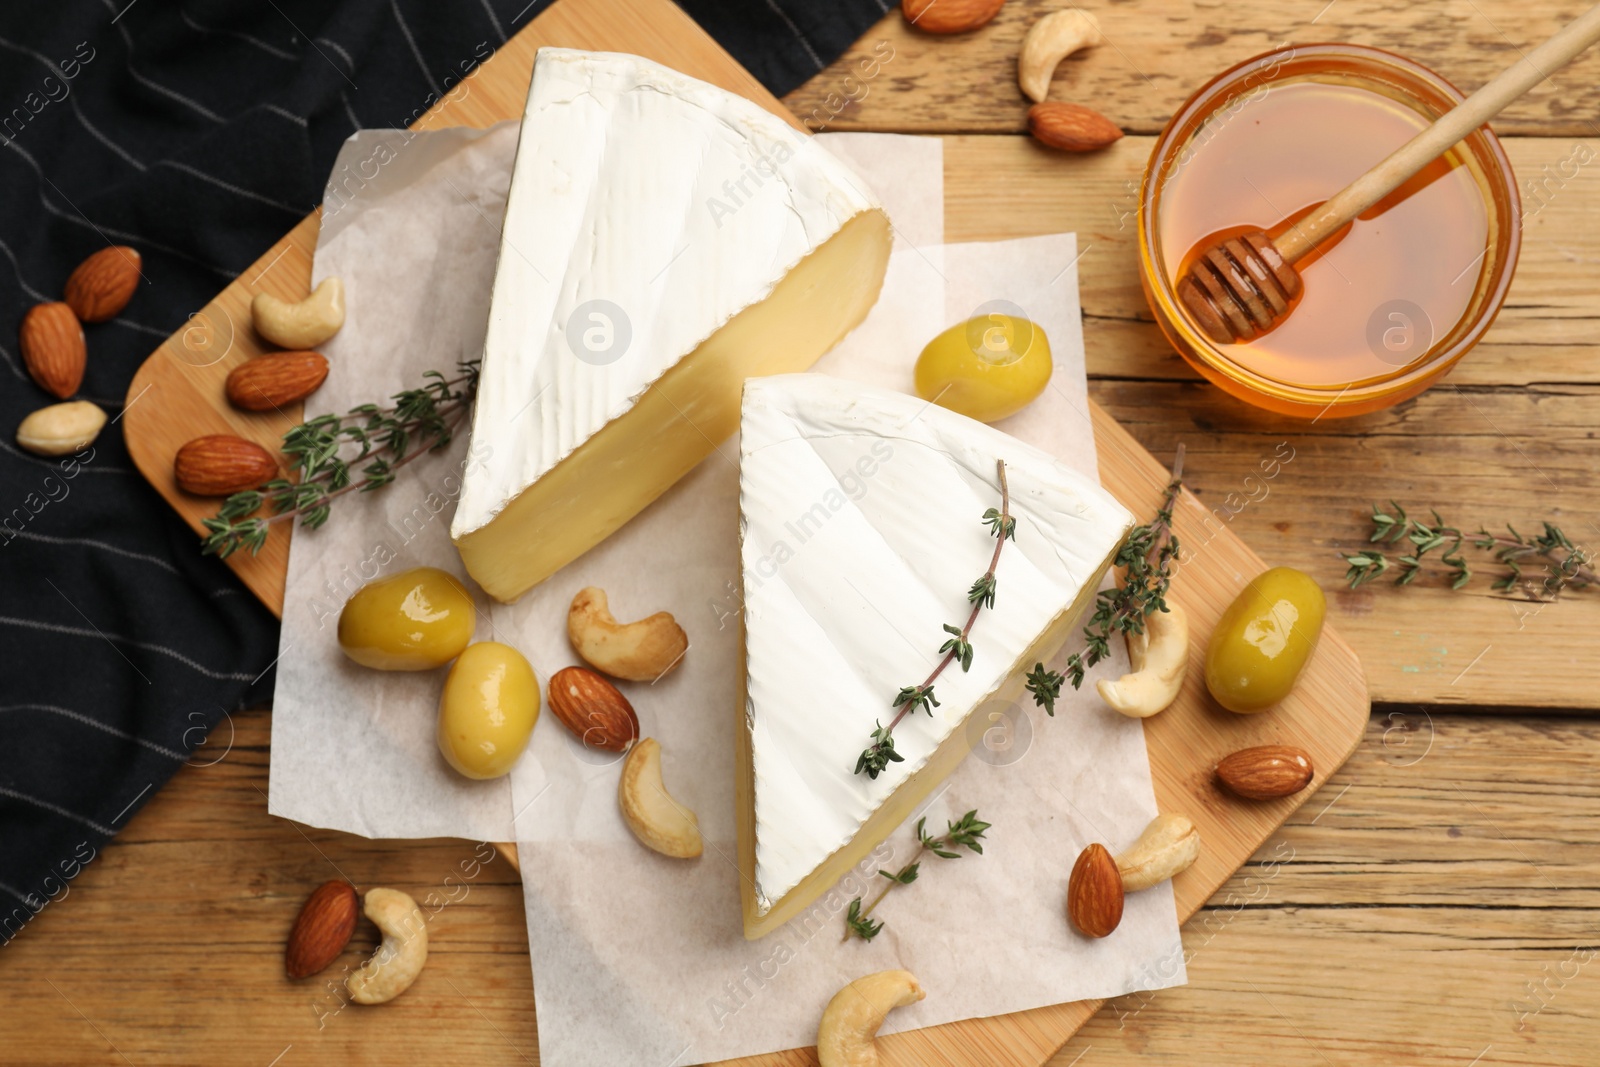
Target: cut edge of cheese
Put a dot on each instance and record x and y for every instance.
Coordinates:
(762, 915)
(682, 417)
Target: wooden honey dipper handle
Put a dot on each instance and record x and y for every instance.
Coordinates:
(1451, 127)
(1243, 286)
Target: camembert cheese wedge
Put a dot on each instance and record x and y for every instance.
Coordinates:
(663, 241)
(861, 523)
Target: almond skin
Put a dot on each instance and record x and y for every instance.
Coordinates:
(1071, 127)
(949, 16)
(322, 930)
(593, 709)
(53, 349)
(1094, 892)
(267, 383)
(1266, 772)
(220, 464)
(101, 286)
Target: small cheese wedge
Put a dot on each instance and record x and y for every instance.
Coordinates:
(861, 518)
(663, 241)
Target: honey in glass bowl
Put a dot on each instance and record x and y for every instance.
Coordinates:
(1389, 303)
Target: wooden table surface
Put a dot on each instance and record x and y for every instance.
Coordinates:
(1436, 903)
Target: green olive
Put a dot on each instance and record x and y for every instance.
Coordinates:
(1262, 642)
(412, 621)
(985, 368)
(487, 711)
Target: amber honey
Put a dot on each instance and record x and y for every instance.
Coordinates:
(1393, 300)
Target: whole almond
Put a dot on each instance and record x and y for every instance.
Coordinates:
(52, 348)
(61, 429)
(221, 464)
(1094, 892)
(322, 930)
(950, 16)
(267, 383)
(593, 709)
(1071, 127)
(102, 285)
(1266, 771)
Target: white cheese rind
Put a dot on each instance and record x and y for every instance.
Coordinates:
(644, 204)
(861, 533)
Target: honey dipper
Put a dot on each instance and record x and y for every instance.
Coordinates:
(1242, 286)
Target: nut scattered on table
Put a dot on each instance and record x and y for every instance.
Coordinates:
(220, 464)
(1050, 40)
(399, 960)
(1266, 772)
(322, 930)
(1071, 127)
(950, 16)
(1094, 893)
(61, 429)
(1159, 657)
(847, 1035)
(655, 818)
(1167, 847)
(271, 382)
(101, 286)
(593, 709)
(303, 324)
(53, 349)
(639, 651)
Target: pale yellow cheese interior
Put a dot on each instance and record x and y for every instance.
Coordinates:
(678, 421)
(900, 804)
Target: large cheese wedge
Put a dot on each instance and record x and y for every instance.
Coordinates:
(663, 241)
(861, 518)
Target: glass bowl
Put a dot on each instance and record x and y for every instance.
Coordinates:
(1406, 352)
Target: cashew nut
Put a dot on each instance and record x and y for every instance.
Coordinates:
(399, 960)
(1159, 658)
(850, 1021)
(1049, 41)
(61, 429)
(1168, 846)
(303, 325)
(639, 651)
(654, 817)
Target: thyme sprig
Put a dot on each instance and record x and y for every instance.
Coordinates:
(966, 832)
(326, 451)
(1146, 561)
(958, 649)
(1556, 563)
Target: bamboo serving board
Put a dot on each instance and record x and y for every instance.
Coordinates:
(178, 395)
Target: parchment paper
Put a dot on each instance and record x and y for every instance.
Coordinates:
(640, 959)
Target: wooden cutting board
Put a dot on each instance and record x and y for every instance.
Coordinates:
(177, 395)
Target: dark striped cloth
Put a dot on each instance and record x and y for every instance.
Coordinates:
(197, 131)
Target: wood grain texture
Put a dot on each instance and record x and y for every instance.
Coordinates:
(1509, 436)
(1397, 918)
(1157, 52)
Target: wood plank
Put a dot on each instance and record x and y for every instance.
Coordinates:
(1544, 334)
(1158, 52)
(1396, 918)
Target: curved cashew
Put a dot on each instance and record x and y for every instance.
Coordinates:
(1159, 658)
(1168, 846)
(639, 651)
(399, 960)
(1049, 41)
(303, 325)
(850, 1021)
(654, 817)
